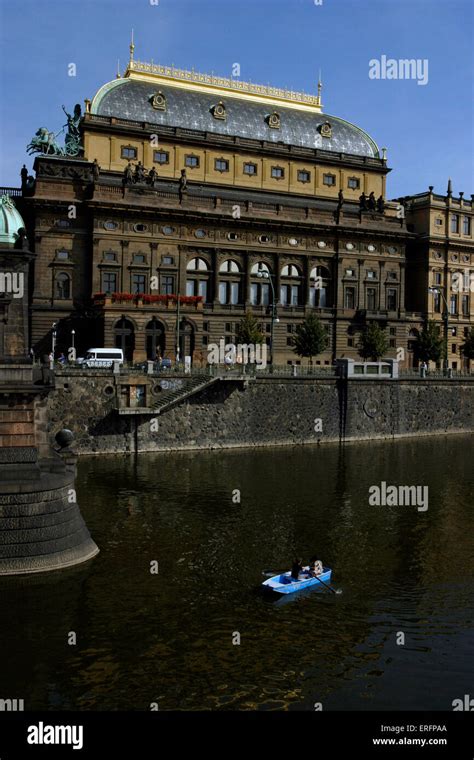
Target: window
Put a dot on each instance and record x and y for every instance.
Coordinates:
(454, 223)
(63, 286)
(371, 275)
(438, 222)
(465, 306)
(289, 295)
(228, 327)
(453, 348)
(168, 260)
(350, 273)
(329, 179)
(140, 227)
(192, 161)
(197, 265)
(453, 304)
(128, 151)
(466, 225)
(200, 233)
(221, 165)
(259, 294)
(229, 266)
(303, 176)
(353, 183)
(278, 172)
(110, 256)
(454, 331)
(167, 230)
(138, 258)
(437, 302)
(167, 285)
(392, 275)
(138, 283)
(109, 282)
(250, 168)
(437, 278)
(320, 280)
(371, 299)
(349, 298)
(392, 331)
(62, 223)
(199, 284)
(197, 288)
(350, 342)
(161, 157)
(110, 225)
(229, 293)
(62, 255)
(391, 299)
(392, 342)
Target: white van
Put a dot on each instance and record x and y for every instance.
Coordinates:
(101, 357)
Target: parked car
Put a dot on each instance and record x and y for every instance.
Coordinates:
(166, 363)
(101, 357)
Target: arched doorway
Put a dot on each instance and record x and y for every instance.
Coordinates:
(186, 339)
(125, 338)
(155, 339)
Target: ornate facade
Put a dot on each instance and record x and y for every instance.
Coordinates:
(191, 185)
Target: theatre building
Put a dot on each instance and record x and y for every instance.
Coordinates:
(185, 189)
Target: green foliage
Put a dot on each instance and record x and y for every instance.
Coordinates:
(249, 330)
(310, 338)
(467, 347)
(373, 342)
(430, 345)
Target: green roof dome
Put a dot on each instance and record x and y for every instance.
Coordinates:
(10, 221)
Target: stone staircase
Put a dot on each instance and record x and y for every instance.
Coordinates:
(168, 398)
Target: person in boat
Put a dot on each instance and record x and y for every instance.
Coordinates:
(315, 566)
(296, 569)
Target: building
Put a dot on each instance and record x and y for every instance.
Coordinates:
(440, 268)
(181, 201)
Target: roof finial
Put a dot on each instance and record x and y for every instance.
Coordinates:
(450, 188)
(132, 48)
(117, 76)
(320, 87)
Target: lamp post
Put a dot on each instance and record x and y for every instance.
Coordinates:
(53, 345)
(265, 274)
(73, 335)
(446, 325)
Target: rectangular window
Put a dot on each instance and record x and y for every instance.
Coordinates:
(453, 348)
(466, 225)
(371, 275)
(465, 306)
(190, 287)
(392, 331)
(234, 293)
(437, 278)
(192, 161)
(349, 273)
(353, 183)
(250, 168)
(138, 258)
(222, 292)
(371, 296)
(138, 283)
(167, 285)
(454, 223)
(303, 176)
(202, 290)
(350, 342)
(110, 256)
(391, 299)
(294, 295)
(167, 260)
(221, 165)
(265, 300)
(128, 151)
(349, 299)
(453, 304)
(284, 295)
(109, 282)
(278, 172)
(254, 294)
(329, 179)
(437, 302)
(161, 157)
(228, 327)
(438, 222)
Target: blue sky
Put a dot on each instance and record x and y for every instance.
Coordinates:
(428, 130)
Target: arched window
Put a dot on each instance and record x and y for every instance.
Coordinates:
(197, 282)
(62, 285)
(320, 282)
(260, 289)
(230, 282)
(290, 288)
(155, 339)
(124, 333)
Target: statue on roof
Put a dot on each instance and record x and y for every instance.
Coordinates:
(45, 142)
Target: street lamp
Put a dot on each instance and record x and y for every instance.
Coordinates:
(265, 274)
(53, 345)
(438, 291)
(73, 333)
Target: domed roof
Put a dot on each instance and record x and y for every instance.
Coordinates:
(10, 221)
(245, 117)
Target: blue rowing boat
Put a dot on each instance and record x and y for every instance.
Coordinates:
(285, 584)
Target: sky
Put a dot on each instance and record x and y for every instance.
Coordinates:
(426, 128)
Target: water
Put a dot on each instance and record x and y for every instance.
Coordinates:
(167, 637)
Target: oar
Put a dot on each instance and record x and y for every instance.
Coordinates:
(334, 591)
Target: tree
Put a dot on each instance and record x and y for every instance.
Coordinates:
(311, 338)
(467, 347)
(373, 342)
(249, 330)
(429, 344)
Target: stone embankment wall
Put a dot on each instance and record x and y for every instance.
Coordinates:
(266, 411)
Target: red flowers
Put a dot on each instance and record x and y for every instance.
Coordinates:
(147, 298)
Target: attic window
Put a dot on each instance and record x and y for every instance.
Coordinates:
(158, 101)
(218, 111)
(273, 120)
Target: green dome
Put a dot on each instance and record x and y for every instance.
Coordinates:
(10, 221)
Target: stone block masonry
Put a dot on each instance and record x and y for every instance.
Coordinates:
(265, 411)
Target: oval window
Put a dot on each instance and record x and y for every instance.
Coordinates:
(167, 230)
(110, 225)
(200, 233)
(140, 227)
